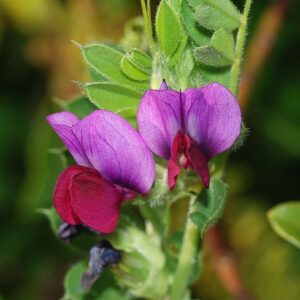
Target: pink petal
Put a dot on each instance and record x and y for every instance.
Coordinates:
(62, 197)
(212, 118)
(159, 119)
(173, 162)
(96, 201)
(198, 161)
(62, 124)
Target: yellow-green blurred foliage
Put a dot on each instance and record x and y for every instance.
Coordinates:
(38, 61)
(53, 24)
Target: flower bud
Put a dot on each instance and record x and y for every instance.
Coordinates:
(142, 266)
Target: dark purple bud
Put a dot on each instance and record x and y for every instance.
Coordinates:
(101, 255)
(67, 232)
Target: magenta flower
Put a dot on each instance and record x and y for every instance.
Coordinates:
(189, 128)
(114, 164)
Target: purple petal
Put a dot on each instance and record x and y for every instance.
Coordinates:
(212, 117)
(159, 119)
(62, 124)
(116, 150)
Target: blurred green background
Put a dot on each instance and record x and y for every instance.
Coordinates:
(38, 62)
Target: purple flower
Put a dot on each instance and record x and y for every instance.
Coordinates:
(189, 128)
(114, 165)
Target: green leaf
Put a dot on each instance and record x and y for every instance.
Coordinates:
(129, 115)
(211, 205)
(132, 70)
(220, 52)
(178, 53)
(209, 56)
(73, 289)
(188, 62)
(106, 61)
(52, 216)
(140, 58)
(112, 96)
(211, 74)
(95, 76)
(112, 294)
(176, 4)
(168, 28)
(285, 220)
(196, 33)
(80, 106)
(223, 42)
(216, 14)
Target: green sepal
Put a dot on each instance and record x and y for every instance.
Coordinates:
(285, 220)
(216, 14)
(168, 28)
(210, 205)
(106, 61)
(220, 52)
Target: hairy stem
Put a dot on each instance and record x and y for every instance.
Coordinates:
(186, 257)
(239, 49)
(146, 10)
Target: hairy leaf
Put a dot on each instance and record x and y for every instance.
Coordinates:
(178, 53)
(211, 204)
(132, 70)
(168, 28)
(140, 58)
(195, 32)
(216, 14)
(106, 60)
(220, 52)
(112, 96)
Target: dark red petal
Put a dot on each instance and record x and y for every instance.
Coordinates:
(173, 163)
(198, 160)
(62, 197)
(96, 201)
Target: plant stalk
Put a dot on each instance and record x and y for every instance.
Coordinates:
(186, 257)
(146, 10)
(239, 49)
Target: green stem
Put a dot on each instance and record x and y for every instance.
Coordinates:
(146, 10)
(186, 257)
(239, 49)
